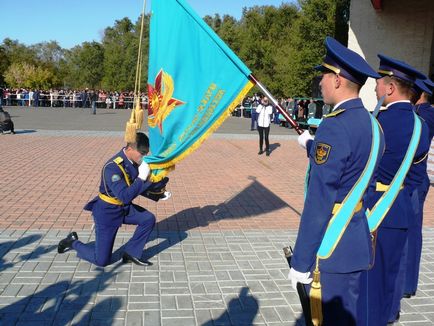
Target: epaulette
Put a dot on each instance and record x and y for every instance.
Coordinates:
(334, 113)
(118, 160)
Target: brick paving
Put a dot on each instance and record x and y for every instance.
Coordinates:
(217, 247)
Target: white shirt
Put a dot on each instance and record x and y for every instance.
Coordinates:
(265, 113)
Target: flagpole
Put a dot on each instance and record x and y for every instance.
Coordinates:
(291, 121)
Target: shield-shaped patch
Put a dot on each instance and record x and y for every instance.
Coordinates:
(115, 177)
(322, 153)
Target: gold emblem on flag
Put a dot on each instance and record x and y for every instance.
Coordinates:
(161, 102)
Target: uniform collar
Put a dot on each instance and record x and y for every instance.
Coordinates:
(125, 155)
(346, 103)
(402, 101)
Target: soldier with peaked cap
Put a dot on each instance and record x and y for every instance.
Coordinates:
(124, 177)
(402, 136)
(423, 89)
(348, 143)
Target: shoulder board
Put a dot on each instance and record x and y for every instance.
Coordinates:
(334, 113)
(118, 160)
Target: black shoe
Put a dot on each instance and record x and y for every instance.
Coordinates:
(126, 258)
(66, 243)
(268, 153)
(261, 152)
(398, 315)
(408, 295)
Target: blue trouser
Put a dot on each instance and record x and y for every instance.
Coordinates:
(254, 122)
(415, 242)
(379, 292)
(340, 295)
(100, 253)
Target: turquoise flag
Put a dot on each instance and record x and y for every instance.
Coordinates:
(194, 82)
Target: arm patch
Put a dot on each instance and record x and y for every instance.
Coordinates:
(322, 152)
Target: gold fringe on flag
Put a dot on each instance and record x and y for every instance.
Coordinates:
(315, 297)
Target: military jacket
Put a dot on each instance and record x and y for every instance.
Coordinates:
(114, 184)
(426, 111)
(397, 122)
(337, 157)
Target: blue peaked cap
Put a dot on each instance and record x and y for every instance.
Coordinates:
(423, 85)
(397, 68)
(350, 65)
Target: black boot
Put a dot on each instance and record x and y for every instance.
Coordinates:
(66, 243)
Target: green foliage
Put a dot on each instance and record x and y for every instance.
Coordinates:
(29, 76)
(121, 44)
(279, 45)
(85, 65)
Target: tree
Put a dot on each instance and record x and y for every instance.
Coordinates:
(26, 75)
(121, 44)
(316, 21)
(85, 65)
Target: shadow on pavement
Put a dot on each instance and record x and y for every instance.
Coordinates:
(274, 146)
(25, 131)
(60, 303)
(5, 247)
(241, 311)
(254, 200)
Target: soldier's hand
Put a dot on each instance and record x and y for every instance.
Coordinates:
(144, 170)
(298, 277)
(303, 138)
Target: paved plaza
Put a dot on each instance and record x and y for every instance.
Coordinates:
(216, 248)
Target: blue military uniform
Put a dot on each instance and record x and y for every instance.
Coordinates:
(338, 156)
(113, 207)
(384, 291)
(414, 243)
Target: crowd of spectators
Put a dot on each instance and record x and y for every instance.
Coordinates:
(298, 108)
(69, 98)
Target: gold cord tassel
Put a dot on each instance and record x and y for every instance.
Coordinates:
(139, 114)
(315, 297)
(131, 129)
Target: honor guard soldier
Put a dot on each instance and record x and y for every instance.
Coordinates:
(423, 89)
(334, 242)
(6, 123)
(124, 177)
(399, 174)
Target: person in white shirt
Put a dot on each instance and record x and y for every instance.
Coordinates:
(264, 111)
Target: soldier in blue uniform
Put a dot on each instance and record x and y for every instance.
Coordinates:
(423, 89)
(124, 177)
(338, 157)
(384, 291)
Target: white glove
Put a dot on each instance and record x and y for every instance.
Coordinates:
(298, 277)
(167, 195)
(144, 171)
(303, 138)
